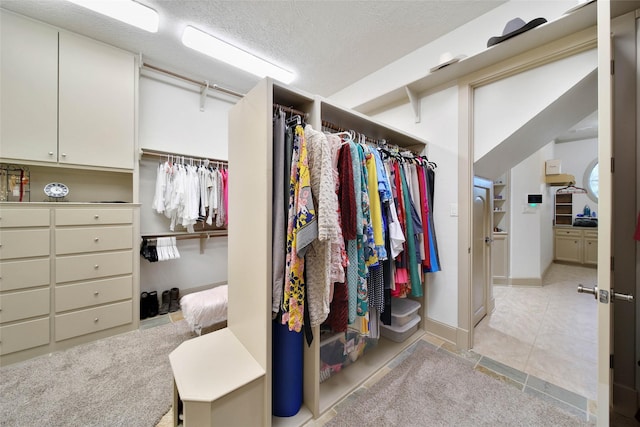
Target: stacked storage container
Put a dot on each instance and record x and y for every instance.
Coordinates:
(404, 319)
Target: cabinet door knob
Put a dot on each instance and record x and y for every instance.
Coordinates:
(64, 154)
(96, 216)
(95, 320)
(96, 293)
(95, 239)
(51, 153)
(96, 266)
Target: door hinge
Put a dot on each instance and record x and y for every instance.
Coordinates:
(613, 67)
(613, 165)
(611, 361)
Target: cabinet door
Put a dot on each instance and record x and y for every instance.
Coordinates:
(97, 98)
(569, 249)
(591, 251)
(500, 259)
(29, 81)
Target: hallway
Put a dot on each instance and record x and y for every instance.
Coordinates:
(549, 332)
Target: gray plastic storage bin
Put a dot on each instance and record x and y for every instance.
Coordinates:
(400, 333)
(403, 310)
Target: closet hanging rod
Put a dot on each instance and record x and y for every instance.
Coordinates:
(291, 110)
(190, 80)
(187, 236)
(164, 154)
(337, 128)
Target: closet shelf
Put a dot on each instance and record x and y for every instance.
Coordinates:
(549, 32)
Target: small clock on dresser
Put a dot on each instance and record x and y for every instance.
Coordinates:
(56, 191)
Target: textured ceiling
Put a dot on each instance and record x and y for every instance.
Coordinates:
(328, 44)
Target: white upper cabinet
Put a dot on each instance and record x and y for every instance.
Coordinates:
(96, 122)
(29, 90)
(66, 99)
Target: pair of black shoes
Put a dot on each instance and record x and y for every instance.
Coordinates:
(149, 306)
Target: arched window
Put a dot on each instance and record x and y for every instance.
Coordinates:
(591, 180)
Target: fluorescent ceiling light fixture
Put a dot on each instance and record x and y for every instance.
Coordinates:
(223, 51)
(127, 11)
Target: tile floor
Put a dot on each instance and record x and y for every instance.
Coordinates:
(549, 332)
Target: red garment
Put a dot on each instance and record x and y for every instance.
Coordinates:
(338, 317)
(346, 194)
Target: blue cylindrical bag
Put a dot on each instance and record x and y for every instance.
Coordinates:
(287, 365)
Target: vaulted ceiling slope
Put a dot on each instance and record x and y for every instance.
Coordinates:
(328, 44)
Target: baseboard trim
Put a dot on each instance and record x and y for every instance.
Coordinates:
(500, 280)
(441, 330)
(526, 281)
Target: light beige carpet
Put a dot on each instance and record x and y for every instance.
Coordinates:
(125, 380)
(434, 388)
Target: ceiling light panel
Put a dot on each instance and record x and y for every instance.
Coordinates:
(223, 51)
(127, 11)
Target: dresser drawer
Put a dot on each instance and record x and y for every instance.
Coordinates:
(92, 320)
(568, 232)
(95, 266)
(591, 234)
(24, 218)
(24, 335)
(86, 294)
(24, 243)
(24, 304)
(93, 216)
(24, 274)
(94, 239)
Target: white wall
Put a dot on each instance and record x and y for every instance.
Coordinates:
(439, 126)
(525, 220)
(171, 120)
(531, 232)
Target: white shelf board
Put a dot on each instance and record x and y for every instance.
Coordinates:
(304, 415)
(564, 26)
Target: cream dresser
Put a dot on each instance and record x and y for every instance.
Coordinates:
(68, 275)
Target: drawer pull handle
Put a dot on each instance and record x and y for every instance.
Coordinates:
(95, 320)
(51, 153)
(96, 293)
(64, 154)
(95, 239)
(96, 216)
(96, 266)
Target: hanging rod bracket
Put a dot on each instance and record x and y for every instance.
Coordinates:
(203, 94)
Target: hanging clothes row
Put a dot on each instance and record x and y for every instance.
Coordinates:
(352, 226)
(188, 193)
(159, 249)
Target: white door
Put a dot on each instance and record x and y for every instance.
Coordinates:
(605, 111)
(481, 248)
